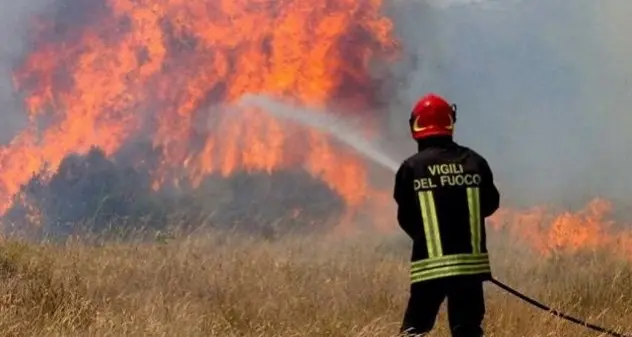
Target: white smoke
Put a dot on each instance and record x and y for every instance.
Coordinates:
(542, 88)
(14, 19)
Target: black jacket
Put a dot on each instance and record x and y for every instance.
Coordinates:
(451, 186)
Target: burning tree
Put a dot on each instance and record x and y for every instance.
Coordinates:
(111, 72)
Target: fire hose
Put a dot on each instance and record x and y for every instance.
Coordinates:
(333, 127)
(554, 312)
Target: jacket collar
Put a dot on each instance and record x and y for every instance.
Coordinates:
(437, 141)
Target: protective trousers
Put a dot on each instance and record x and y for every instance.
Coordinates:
(466, 306)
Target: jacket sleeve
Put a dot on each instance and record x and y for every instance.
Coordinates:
(490, 197)
(404, 196)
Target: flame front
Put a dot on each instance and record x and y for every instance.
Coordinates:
(152, 66)
(549, 232)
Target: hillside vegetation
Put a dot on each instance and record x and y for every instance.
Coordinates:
(218, 284)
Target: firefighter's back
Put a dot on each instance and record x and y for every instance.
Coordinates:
(448, 182)
(444, 192)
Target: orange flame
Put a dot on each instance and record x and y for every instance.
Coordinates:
(588, 229)
(157, 64)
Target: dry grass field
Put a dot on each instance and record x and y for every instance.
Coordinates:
(228, 285)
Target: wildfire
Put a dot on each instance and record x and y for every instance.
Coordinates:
(131, 67)
(163, 69)
(549, 232)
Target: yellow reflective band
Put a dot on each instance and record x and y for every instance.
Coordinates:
(473, 201)
(450, 271)
(449, 260)
(431, 226)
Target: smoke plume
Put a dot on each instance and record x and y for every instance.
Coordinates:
(541, 85)
(14, 19)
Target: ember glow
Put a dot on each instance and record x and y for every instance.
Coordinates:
(126, 69)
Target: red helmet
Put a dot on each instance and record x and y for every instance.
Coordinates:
(432, 116)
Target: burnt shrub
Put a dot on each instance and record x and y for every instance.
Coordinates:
(95, 194)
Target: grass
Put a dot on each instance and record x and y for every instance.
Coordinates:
(229, 285)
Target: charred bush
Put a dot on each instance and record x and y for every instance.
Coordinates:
(91, 193)
(268, 204)
(86, 193)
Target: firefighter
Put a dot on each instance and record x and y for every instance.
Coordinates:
(443, 193)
